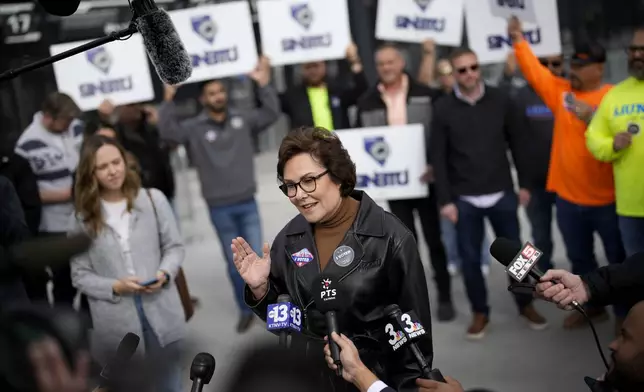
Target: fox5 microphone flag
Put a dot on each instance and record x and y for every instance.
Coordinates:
(285, 315)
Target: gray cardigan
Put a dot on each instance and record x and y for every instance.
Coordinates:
(94, 272)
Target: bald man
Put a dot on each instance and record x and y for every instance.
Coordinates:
(398, 99)
(626, 373)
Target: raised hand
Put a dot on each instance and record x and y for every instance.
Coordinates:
(262, 72)
(252, 268)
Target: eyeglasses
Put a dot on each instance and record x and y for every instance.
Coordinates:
(306, 184)
(463, 70)
(553, 63)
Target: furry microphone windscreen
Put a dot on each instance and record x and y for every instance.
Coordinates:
(164, 47)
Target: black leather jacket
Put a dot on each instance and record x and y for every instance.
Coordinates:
(386, 269)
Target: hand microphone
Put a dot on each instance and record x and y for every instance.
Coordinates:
(284, 316)
(520, 261)
(124, 352)
(161, 41)
(59, 7)
(41, 252)
(328, 300)
(201, 371)
(404, 330)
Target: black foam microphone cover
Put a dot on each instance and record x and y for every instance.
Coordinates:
(59, 7)
(164, 47)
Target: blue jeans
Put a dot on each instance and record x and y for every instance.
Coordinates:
(632, 230)
(166, 360)
(578, 224)
(539, 212)
(448, 230)
(232, 221)
(470, 230)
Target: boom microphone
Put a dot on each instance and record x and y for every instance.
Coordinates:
(161, 41)
(59, 7)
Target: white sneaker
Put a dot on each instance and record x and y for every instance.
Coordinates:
(485, 269)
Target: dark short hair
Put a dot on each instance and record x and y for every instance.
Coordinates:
(388, 45)
(460, 52)
(60, 105)
(94, 126)
(205, 83)
(327, 150)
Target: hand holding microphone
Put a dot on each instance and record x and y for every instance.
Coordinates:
(568, 289)
(353, 370)
(450, 385)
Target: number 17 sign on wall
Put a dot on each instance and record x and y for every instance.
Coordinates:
(296, 32)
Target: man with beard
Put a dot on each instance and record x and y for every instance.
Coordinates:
(613, 136)
(584, 186)
(537, 201)
(220, 143)
(323, 101)
(626, 372)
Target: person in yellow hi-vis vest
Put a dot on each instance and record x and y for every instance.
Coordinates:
(614, 135)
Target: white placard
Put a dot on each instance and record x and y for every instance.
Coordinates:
(219, 39)
(118, 71)
(389, 160)
(296, 32)
(487, 27)
(418, 20)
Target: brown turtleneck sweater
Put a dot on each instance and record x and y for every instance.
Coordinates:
(329, 234)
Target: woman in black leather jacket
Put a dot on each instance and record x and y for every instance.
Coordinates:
(342, 233)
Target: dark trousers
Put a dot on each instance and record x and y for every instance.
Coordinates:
(632, 231)
(578, 225)
(539, 212)
(427, 209)
(470, 230)
(64, 292)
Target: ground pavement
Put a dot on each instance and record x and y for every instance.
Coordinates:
(511, 358)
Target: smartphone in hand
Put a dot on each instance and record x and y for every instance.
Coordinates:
(149, 282)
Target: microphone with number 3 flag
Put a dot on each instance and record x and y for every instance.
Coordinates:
(284, 317)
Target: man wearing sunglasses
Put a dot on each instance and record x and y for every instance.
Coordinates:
(584, 186)
(471, 131)
(536, 199)
(613, 137)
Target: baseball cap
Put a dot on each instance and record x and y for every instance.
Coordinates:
(588, 53)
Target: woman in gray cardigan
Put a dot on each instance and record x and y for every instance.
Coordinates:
(128, 273)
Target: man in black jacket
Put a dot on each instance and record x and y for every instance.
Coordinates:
(397, 99)
(322, 102)
(471, 132)
(17, 170)
(13, 230)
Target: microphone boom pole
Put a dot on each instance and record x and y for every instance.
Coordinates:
(115, 36)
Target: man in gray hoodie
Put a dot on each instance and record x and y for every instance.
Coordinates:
(220, 143)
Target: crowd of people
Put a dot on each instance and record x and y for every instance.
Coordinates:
(574, 150)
